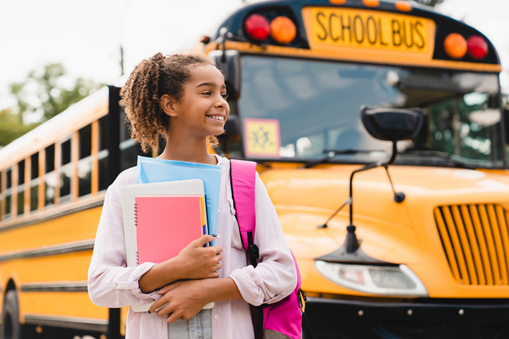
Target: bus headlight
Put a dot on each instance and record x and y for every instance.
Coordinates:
(381, 280)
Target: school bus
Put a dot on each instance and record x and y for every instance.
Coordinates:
(431, 259)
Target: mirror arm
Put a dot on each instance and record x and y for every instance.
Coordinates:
(224, 32)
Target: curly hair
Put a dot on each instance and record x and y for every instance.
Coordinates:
(148, 82)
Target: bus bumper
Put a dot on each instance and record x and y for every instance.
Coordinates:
(347, 319)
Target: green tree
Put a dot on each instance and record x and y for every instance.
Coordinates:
(41, 96)
(11, 127)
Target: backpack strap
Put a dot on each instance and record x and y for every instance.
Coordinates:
(243, 181)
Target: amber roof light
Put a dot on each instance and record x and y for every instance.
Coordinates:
(282, 30)
(455, 45)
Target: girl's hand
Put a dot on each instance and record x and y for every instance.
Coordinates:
(198, 262)
(182, 299)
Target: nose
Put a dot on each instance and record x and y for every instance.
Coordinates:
(221, 102)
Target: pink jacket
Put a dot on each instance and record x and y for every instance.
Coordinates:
(112, 284)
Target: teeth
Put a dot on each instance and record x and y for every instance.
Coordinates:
(217, 117)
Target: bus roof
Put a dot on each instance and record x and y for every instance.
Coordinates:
(365, 15)
(72, 119)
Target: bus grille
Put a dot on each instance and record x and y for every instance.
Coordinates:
(475, 239)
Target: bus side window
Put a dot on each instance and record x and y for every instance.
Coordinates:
(102, 156)
(85, 161)
(50, 179)
(8, 194)
(21, 187)
(34, 182)
(66, 171)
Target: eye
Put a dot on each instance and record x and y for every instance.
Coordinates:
(225, 96)
(206, 93)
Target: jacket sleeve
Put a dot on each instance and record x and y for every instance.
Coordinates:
(110, 282)
(275, 276)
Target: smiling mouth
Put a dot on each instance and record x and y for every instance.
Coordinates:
(216, 117)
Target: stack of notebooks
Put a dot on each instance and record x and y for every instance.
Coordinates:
(164, 213)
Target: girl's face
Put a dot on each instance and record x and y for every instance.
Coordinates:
(202, 110)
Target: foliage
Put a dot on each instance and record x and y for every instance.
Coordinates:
(11, 127)
(40, 97)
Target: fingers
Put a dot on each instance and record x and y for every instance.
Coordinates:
(201, 240)
(167, 289)
(217, 249)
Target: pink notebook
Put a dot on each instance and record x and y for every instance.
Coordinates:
(167, 224)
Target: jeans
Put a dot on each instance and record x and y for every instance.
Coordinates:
(198, 327)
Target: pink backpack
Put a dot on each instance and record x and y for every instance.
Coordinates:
(284, 318)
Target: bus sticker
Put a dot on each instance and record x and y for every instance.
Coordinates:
(262, 138)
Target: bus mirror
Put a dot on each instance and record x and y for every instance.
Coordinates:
(229, 63)
(391, 123)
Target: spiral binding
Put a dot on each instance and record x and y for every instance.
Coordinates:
(137, 258)
(135, 214)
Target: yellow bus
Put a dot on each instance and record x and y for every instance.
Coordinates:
(431, 260)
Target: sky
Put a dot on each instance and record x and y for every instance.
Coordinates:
(86, 35)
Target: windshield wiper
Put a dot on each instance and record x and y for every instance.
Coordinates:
(441, 155)
(332, 153)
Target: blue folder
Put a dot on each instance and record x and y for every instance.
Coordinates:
(152, 170)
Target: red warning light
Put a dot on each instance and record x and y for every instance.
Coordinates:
(477, 47)
(257, 27)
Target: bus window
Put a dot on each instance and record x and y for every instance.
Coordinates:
(50, 179)
(65, 172)
(315, 106)
(21, 187)
(85, 161)
(129, 149)
(34, 182)
(8, 194)
(102, 156)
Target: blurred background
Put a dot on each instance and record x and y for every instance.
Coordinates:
(56, 52)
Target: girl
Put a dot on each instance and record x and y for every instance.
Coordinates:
(183, 98)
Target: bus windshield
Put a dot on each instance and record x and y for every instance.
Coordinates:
(316, 106)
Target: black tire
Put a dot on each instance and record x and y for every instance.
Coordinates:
(11, 328)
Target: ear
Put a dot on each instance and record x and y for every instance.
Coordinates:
(168, 104)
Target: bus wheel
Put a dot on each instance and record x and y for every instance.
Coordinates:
(11, 328)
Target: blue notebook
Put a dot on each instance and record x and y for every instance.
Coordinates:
(152, 170)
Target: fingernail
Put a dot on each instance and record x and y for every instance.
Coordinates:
(149, 312)
(213, 235)
(157, 289)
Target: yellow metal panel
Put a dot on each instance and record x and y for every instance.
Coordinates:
(491, 245)
(57, 268)
(73, 304)
(447, 243)
(498, 242)
(95, 161)
(456, 245)
(482, 243)
(348, 30)
(69, 228)
(473, 244)
(464, 244)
